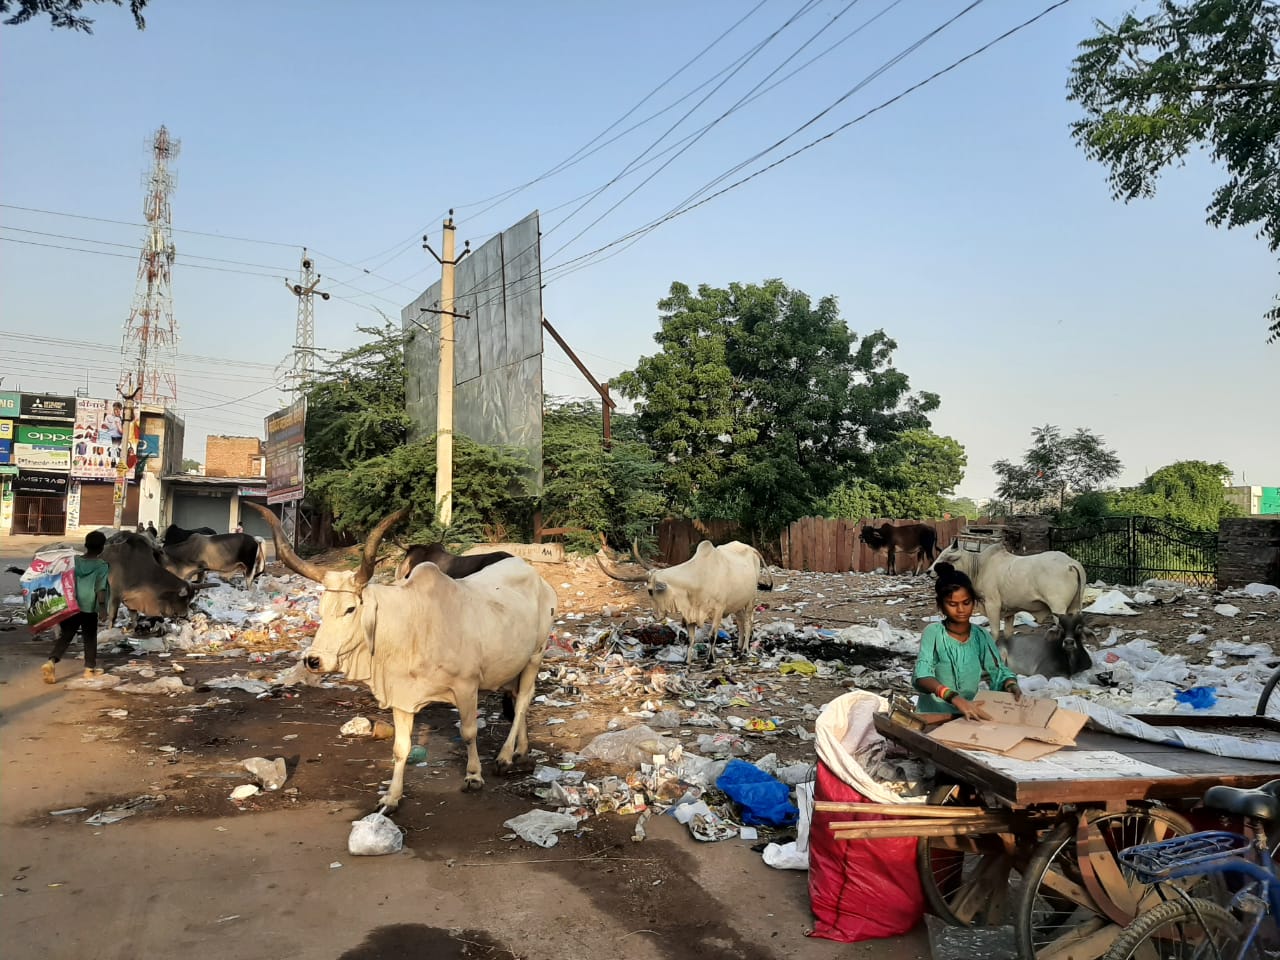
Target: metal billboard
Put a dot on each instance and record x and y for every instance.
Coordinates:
(286, 431)
(497, 350)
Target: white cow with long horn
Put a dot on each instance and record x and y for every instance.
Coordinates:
(713, 582)
(430, 639)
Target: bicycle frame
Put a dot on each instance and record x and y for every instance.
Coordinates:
(1262, 873)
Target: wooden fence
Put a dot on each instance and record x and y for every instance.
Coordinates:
(678, 538)
(823, 545)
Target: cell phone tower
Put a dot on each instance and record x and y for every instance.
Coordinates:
(149, 349)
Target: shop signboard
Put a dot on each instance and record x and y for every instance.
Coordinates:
(6, 429)
(45, 435)
(40, 484)
(10, 405)
(97, 444)
(30, 456)
(40, 406)
(285, 433)
(150, 446)
(6, 452)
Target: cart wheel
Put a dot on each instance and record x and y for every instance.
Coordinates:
(1075, 896)
(965, 879)
(1269, 701)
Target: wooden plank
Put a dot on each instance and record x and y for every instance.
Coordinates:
(989, 883)
(891, 829)
(828, 545)
(1066, 887)
(1089, 941)
(908, 810)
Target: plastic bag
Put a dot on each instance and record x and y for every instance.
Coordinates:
(763, 798)
(541, 826)
(632, 747)
(49, 589)
(374, 836)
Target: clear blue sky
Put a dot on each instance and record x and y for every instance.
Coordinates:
(961, 219)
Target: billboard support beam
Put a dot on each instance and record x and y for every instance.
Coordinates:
(444, 396)
(606, 402)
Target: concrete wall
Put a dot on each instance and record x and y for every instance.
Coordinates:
(1248, 551)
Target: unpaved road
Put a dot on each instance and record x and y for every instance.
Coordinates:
(198, 877)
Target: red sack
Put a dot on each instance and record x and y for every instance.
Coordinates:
(859, 889)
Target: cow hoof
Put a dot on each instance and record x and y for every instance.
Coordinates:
(472, 784)
(387, 804)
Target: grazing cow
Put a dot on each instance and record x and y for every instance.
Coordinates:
(450, 564)
(225, 553)
(713, 582)
(1041, 583)
(137, 578)
(431, 639)
(918, 539)
(176, 534)
(1058, 652)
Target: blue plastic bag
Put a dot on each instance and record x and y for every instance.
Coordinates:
(764, 799)
(1200, 698)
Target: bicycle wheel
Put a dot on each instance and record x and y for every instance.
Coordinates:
(1075, 893)
(1269, 702)
(1180, 930)
(965, 879)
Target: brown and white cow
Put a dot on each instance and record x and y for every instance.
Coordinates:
(711, 583)
(431, 639)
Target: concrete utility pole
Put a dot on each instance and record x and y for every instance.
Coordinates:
(121, 492)
(444, 390)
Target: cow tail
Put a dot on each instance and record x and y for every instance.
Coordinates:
(765, 580)
(1079, 572)
(260, 559)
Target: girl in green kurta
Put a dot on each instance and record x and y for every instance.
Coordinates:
(955, 654)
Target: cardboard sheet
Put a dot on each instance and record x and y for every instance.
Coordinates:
(1025, 730)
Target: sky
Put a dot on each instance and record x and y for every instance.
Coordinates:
(961, 219)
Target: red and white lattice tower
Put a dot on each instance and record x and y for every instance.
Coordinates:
(149, 349)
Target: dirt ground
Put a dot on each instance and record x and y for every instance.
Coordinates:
(270, 876)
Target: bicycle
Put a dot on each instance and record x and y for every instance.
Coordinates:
(1187, 927)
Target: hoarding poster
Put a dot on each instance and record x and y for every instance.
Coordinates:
(97, 444)
(38, 406)
(286, 431)
(43, 447)
(10, 406)
(6, 429)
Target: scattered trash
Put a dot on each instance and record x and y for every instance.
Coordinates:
(237, 682)
(245, 791)
(1226, 610)
(383, 730)
(374, 836)
(356, 727)
(1200, 698)
(1262, 590)
(1111, 603)
(162, 685)
(105, 681)
(541, 826)
(704, 823)
(632, 747)
(122, 811)
(763, 799)
(417, 754)
(271, 774)
(68, 811)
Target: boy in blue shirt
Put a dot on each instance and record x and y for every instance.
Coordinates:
(91, 595)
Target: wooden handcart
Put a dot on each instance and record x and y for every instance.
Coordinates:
(1036, 845)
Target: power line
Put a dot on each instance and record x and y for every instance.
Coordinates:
(130, 223)
(130, 246)
(126, 256)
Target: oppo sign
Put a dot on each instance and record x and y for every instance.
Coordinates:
(42, 435)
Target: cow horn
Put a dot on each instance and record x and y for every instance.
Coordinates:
(370, 556)
(312, 571)
(640, 578)
(635, 553)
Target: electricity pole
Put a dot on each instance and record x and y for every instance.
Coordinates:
(121, 492)
(444, 390)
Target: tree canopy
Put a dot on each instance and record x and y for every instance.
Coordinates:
(909, 477)
(63, 14)
(1055, 466)
(1190, 491)
(1193, 75)
(761, 401)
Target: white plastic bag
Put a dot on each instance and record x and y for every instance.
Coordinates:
(374, 836)
(632, 747)
(541, 826)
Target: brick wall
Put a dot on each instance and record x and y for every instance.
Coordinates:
(1248, 551)
(232, 457)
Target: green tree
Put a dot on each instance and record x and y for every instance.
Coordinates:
(63, 14)
(1193, 75)
(191, 466)
(762, 402)
(616, 492)
(1056, 466)
(918, 469)
(489, 491)
(1190, 491)
(962, 507)
(355, 406)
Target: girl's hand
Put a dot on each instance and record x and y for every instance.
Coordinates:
(1016, 691)
(969, 710)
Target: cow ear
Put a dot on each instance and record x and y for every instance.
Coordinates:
(659, 586)
(182, 592)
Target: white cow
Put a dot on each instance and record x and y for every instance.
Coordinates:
(711, 583)
(1040, 583)
(431, 639)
